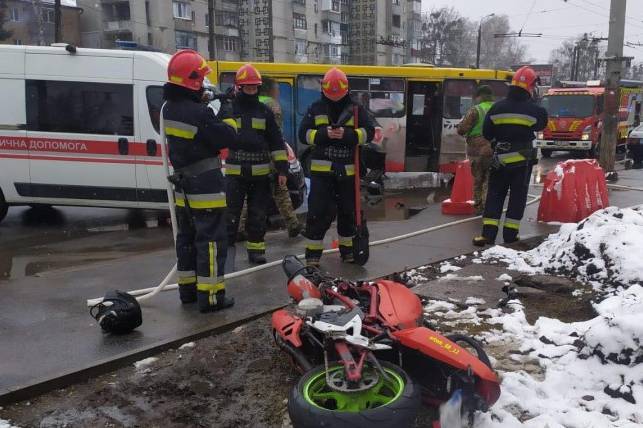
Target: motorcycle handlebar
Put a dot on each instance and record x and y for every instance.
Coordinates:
(291, 265)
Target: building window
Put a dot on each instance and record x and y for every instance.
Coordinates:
(396, 21)
(185, 39)
(90, 108)
(116, 11)
(15, 14)
(226, 19)
(17, 42)
(316, 6)
(302, 2)
(228, 44)
(207, 19)
(182, 10)
(300, 47)
(299, 21)
(335, 6)
(48, 16)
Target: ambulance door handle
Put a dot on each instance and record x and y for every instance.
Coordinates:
(151, 147)
(123, 146)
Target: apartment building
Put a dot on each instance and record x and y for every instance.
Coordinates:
(164, 25)
(291, 30)
(32, 22)
(413, 30)
(378, 32)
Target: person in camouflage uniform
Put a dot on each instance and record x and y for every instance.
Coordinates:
(479, 150)
(269, 95)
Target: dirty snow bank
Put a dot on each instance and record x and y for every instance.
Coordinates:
(603, 250)
(593, 370)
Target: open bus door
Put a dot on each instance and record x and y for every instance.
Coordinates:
(423, 124)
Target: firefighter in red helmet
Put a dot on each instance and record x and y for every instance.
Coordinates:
(335, 126)
(248, 167)
(510, 126)
(195, 137)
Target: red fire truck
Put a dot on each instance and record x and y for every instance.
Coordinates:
(576, 116)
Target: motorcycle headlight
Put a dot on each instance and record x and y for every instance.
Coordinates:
(540, 135)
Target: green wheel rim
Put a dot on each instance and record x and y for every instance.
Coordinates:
(387, 390)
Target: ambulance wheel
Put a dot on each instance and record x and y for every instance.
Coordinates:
(392, 401)
(546, 153)
(4, 207)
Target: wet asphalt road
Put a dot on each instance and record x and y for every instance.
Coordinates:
(40, 239)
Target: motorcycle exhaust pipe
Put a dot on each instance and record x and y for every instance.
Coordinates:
(298, 356)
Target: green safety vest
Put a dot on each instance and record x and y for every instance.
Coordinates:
(482, 109)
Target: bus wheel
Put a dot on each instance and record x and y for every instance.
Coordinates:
(4, 207)
(546, 153)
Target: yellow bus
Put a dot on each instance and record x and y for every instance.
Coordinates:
(418, 107)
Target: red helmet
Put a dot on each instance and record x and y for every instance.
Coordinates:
(188, 69)
(335, 84)
(525, 78)
(247, 75)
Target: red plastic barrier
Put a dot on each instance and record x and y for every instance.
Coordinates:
(461, 200)
(573, 191)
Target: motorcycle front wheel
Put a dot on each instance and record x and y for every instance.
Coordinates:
(393, 400)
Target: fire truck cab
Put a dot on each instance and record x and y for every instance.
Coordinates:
(576, 116)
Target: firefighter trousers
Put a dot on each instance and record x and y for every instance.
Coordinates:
(330, 195)
(258, 193)
(281, 196)
(201, 250)
(514, 180)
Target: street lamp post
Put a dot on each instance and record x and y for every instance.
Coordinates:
(480, 37)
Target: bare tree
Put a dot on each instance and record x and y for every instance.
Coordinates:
(578, 59)
(4, 34)
(446, 38)
(500, 52)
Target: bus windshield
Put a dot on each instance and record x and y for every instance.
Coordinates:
(568, 105)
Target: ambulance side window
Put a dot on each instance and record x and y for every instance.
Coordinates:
(154, 96)
(80, 107)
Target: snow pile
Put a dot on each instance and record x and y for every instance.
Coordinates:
(144, 364)
(6, 424)
(446, 267)
(603, 250)
(454, 277)
(559, 375)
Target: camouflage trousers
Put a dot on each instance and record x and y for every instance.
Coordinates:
(284, 205)
(480, 171)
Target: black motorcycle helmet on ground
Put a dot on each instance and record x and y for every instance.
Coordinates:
(118, 313)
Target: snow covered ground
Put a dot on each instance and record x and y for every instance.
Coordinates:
(579, 374)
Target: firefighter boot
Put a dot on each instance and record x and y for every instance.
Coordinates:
(481, 241)
(256, 258)
(187, 293)
(211, 302)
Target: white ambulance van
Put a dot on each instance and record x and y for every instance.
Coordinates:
(80, 127)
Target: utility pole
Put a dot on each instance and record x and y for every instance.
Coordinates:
(480, 37)
(57, 22)
(212, 48)
(614, 59)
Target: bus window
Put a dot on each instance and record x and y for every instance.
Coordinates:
(418, 105)
(226, 81)
(498, 87)
(387, 104)
(358, 83)
(286, 104)
(308, 89)
(361, 97)
(385, 84)
(458, 97)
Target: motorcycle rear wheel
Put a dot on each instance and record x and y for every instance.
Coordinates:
(392, 401)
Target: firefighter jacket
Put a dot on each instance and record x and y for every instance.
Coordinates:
(510, 126)
(259, 138)
(332, 155)
(193, 132)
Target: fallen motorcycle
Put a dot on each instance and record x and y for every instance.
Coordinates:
(368, 359)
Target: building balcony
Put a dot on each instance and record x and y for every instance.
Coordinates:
(301, 33)
(226, 31)
(331, 15)
(331, 39)
(118, 26)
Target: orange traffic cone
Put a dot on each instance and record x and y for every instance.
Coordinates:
(461, 200)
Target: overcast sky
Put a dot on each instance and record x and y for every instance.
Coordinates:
(555, 19)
